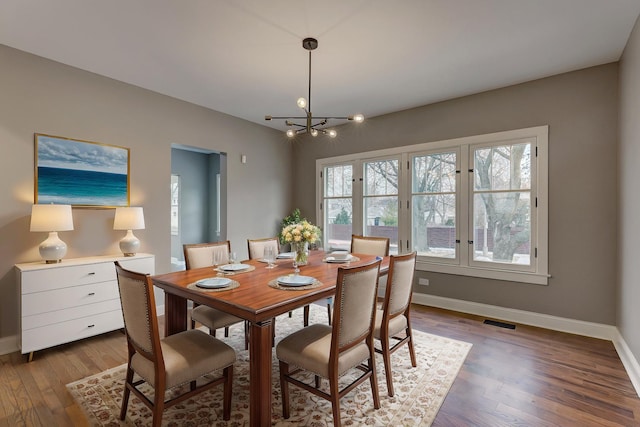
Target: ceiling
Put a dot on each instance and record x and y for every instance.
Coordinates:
(245, 57)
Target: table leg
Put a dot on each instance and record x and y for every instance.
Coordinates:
(260, 373)
(175, 314)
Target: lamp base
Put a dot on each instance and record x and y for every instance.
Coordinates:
(129, 244)
(53, 249)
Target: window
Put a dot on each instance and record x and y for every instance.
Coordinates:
(380, 200)
(474, 206)
(433, 204)
(338, 204)
(175, 205)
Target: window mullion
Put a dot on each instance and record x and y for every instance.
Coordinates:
(464, 204)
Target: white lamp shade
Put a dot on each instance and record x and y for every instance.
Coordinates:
(51, 218)
(129, 218)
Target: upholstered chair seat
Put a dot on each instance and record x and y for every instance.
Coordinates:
(187, 355)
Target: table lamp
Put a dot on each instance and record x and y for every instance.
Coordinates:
(129, 218)
(51, 219)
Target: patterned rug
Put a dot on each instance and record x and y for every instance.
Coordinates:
(419, 392)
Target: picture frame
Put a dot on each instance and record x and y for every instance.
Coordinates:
(80, 173)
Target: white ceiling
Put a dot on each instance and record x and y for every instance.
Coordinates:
(245, 57)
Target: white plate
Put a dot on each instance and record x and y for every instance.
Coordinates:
(338, 261)
(213, 283)
(285, 255)
(233, 267)
(295, 280)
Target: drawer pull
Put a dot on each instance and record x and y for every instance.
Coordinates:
(91, 294)
(92, 273)
(91, 326)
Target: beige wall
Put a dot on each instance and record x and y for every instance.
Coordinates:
(41, 96)
(581, 110)
(629, 231)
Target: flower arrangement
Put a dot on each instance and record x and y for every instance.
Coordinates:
(300, 235)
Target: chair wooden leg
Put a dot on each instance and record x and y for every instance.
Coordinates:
(412, 352)
(329, 312)
(246, 335)
(386, 357)
(228, 392)
(374, 379)
(290, 314)
(306, 315)
(158, 406)
(335, 400)
(226, 332)
(284, 389)
(127, 392)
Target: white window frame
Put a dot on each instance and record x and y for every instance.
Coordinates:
(539, 271)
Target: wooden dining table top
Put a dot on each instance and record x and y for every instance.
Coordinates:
(254, 300)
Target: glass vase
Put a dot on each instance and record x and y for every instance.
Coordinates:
(300, 253)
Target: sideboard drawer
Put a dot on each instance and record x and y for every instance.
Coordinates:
(58, 316)
(64, 332)
(63, 277)
(58, 299)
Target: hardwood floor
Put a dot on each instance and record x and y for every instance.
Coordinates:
(522, 377)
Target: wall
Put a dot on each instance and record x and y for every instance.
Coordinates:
(42, 96)
(629, 176)
(581, 110)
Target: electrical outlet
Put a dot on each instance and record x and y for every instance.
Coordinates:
(423, 281)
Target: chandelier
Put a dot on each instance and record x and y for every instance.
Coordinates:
(305, 104)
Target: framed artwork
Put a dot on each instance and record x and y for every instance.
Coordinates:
(80, 173)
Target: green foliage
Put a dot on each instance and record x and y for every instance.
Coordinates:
(390, 215)
(293, 218)
(343, 217)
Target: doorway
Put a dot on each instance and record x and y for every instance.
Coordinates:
(198, 199)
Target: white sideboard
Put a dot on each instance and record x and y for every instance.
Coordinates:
(71, 300)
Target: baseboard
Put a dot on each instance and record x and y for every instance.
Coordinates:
(561, 324)
(629, 361)
(8, 344)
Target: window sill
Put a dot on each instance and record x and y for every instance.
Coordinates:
(485, 273)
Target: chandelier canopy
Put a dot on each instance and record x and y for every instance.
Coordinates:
(312, 125)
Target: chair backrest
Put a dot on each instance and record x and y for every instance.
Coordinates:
(256, 246)
(370, 245)
(139, 313)
(399, 289)
(354, 306)
(199, 255)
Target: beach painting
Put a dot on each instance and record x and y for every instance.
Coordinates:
(80, 173)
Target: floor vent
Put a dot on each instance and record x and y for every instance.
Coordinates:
(499, 324)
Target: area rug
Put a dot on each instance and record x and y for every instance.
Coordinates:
(419, 392)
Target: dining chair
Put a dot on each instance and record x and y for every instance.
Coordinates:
(166, 363)
(394, 316)
(256, 246)
(200, 255)
(330, 351)
(256, 251)
(369, 245)
(365, 245)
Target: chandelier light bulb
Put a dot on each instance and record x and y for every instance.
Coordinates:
(302, 103)
(291, 133)
(332, 133)
(358, 118)
(314, 132)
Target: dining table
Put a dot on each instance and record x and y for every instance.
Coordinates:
(257, 298)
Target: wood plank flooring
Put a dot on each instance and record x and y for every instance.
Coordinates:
(523, 377)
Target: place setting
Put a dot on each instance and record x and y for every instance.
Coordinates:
(340, 257)
(214, 284)
(293, 282)
(233, 267)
